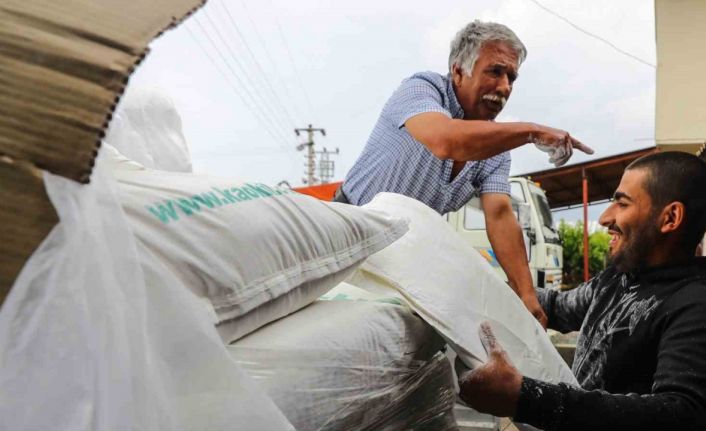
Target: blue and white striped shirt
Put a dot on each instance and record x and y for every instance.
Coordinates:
(393, 161)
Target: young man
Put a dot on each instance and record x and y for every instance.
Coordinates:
(641, 353)
(436, 141)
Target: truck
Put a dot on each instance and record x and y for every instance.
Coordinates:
(529, 202)
(542, 243)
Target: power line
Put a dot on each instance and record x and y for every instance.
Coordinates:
(269, 57)
(257, 64)
(235, 90)
(291, 59)
(595, 36)
(270, 130)
(234, 57)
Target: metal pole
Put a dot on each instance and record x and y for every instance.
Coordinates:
(586, 274)
(310, 157)
(310, 153)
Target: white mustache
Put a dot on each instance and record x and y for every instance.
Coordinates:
(495, 98)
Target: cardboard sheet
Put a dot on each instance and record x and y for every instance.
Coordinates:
(63, 67)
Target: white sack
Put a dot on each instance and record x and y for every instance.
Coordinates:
(257, 253)
(454, 289)
(146, 128)
(90, 342)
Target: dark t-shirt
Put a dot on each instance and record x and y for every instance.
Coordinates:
(640, 357)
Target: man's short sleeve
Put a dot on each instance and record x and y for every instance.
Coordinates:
(415, 96)
(497, 179)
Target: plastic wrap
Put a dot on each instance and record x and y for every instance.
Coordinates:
(146, 128)
(318, 391)
(90, 341)
(352, 364)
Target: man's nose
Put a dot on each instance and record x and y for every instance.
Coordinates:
(606, 219)
(504, 86)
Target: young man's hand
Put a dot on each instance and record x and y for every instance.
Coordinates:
(532, 304)
(494, 387)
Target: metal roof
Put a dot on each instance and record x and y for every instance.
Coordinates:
(564, 188)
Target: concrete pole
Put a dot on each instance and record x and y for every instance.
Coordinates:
(310, 152)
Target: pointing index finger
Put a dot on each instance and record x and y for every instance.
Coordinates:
(580, 146)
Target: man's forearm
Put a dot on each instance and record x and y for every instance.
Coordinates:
(479, 140)
(506, 239)
(557, 407)
(464, 140)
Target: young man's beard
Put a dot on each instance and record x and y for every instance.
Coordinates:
(633, 256)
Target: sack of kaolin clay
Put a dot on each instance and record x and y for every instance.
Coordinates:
(257, 253)
(446, 281)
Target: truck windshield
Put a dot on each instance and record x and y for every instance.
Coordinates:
(540, 201)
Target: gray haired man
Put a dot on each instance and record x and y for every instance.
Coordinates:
(436, 141)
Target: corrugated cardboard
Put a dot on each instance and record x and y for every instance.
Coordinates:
(63, 67)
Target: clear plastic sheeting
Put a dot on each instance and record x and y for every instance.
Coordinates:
(146, 128)
(88, 341)
(317, 390)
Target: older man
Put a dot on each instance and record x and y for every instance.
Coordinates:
(641, 353)
(436, 141)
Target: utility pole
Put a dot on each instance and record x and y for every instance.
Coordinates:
(326, 165)
(310, 164)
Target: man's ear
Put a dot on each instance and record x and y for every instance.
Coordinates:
(672, 217)
(456, 74)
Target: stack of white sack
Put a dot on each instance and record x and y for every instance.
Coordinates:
(356, 361)
(446, 281)
(91, 342)
(146, 128)
(256, 253)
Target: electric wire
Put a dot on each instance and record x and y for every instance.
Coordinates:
(291, 59)
(272, 114)
(265, 48)
(258, 65)
(277, 119)
(270, 127)
(233, 87)
(595, 36)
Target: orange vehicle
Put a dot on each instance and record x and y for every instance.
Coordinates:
(324, 192)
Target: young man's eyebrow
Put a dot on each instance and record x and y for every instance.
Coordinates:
(621, 195)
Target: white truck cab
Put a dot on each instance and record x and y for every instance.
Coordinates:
(544, 252)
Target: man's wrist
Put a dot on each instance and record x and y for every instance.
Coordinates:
(530, 132)
(526, 291)
(538, 403)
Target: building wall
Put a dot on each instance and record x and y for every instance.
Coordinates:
(680, 120)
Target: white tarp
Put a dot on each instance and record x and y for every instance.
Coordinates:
(446, 281)
(90, 342)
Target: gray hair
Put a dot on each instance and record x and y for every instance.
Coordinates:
(468, 42)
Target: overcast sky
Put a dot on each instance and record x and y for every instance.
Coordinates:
(278, 64)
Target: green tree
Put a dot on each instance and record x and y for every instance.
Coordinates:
(572, 242)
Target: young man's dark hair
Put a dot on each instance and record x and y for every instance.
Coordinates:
(681, 177)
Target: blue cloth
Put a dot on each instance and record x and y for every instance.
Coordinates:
(393, 161)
